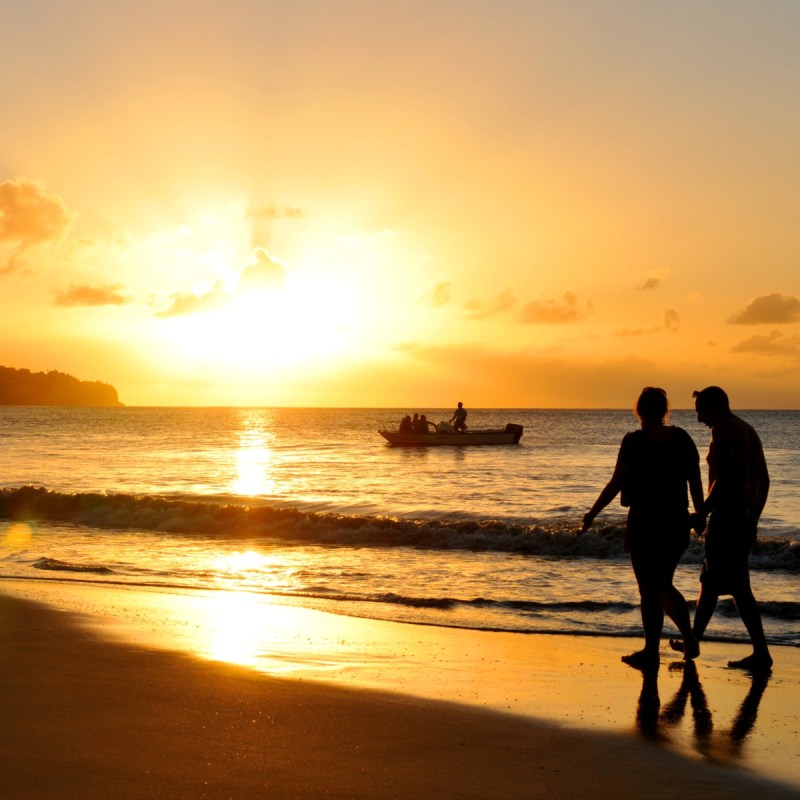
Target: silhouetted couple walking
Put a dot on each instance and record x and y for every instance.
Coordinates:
(655, 465)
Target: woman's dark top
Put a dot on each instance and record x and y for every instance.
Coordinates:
(654, 475)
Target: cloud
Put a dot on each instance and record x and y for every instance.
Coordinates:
(555, 312)
(629, 332)
(109, 295)
(769, 309)
(87, 246)
(273, 212)
(261, 271)
(29, 217)
(771, 344)
(653, 280)
(189, 303)
(478, 309)
(671, 319)
(436, 297)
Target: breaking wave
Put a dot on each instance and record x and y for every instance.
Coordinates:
(207, 517)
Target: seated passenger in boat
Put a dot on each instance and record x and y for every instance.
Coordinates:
(405, 424)
(423, 424)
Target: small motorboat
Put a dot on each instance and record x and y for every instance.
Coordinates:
(444, 435)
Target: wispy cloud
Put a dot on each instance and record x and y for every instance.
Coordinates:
(261, 271)
(483, 309)
(275, 212)
(671, 320)
(555, 312)
(653, 280)
(182, 303)
(773, 343)
(768, 309)
(436, 297)
(87, 296)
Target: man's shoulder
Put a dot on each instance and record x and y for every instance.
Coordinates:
(734, 428)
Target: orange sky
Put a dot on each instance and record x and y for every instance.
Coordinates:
(521, 204)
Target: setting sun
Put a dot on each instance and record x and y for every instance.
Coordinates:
(262, 329)
(507, 218)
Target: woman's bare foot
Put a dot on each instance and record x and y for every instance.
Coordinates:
(690, 651)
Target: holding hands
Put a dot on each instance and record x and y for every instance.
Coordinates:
(697, 522)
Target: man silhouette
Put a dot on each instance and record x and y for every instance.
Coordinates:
(459, 418)
(738, 487)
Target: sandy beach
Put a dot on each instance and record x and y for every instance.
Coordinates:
(370, 710)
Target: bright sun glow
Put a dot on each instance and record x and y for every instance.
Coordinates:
(268, 328)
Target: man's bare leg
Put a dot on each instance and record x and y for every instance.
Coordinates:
(760, 659)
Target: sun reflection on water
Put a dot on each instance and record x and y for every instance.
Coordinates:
(236, 628)
(253, 569)
(17, 536)
(254, 457)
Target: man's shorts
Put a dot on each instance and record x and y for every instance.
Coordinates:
(729, 537)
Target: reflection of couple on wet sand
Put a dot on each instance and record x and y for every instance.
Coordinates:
(655, 720)
(654, 467)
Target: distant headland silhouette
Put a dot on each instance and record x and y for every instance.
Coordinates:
(21, 387)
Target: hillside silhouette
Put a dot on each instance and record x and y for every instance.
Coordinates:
(21, 387)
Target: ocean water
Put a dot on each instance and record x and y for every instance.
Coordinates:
(311, 507)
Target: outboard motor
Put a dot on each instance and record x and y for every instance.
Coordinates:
(516, 430)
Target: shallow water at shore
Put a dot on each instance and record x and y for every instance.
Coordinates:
(311, 507)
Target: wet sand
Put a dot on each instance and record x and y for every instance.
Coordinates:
(147, 704)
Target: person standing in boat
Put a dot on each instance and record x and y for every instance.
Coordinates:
(459, 418)
(654, 467)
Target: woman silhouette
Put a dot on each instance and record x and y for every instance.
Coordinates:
(654, 466)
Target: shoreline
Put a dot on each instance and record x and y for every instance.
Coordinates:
(104, 669)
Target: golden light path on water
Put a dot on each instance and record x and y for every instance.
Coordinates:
(16, 537)
(237, 625)
(253, 459)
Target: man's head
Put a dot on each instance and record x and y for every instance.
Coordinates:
(712, 405)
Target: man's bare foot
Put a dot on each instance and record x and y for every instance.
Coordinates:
(676, 645)
(753, 663)
(641, 659)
